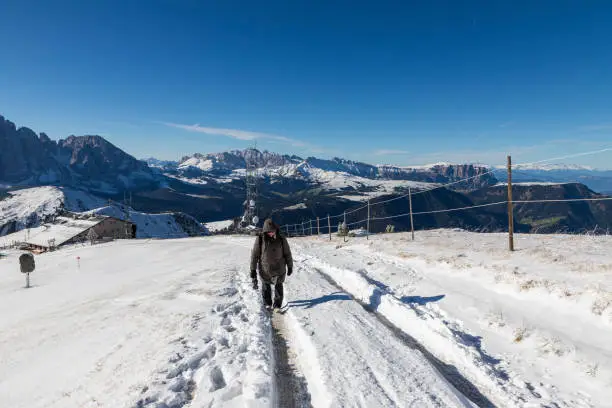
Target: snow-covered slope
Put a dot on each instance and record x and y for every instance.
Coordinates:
(197, 162)
(165, 225)
(176, 323)
(27, 208)
(30, 207)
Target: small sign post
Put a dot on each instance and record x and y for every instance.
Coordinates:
(27, 265)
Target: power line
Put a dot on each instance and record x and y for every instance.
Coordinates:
(565, 200)
(439, 211)
(607, 149)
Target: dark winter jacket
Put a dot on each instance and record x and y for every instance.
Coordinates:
(272, 255)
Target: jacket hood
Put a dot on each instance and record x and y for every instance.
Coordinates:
(269, 226)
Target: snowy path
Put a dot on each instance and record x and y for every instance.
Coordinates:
(174, 323)
(463, 314)
(350, 358)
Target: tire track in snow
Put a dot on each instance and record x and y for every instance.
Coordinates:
(448, 371)
(445, 339)
(291, 389)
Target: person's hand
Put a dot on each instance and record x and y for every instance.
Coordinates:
(289, 271)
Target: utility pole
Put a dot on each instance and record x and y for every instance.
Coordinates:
(411, 220)
(329, 226)
(318, 227)
(344, 228)
(310, 221)
(368, 225)
(510, 208)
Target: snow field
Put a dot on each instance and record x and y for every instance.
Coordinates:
(137, 324)
(445, 321)
(552, 346)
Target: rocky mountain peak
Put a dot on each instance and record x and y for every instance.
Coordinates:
(30, 159)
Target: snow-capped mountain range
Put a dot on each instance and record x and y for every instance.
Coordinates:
(211, 187)
(335, 173)
(94, 164)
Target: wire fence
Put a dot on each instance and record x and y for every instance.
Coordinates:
(324, 225)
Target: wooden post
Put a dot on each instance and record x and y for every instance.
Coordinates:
(510, 208)
(303, 230)
(310, 221)
(329, 226)
(344, 228)
(318, 227)
(368, 224)
(411, 220)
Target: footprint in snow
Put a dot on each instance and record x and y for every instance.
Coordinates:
(216, 378)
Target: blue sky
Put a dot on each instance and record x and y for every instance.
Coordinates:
(383, 82)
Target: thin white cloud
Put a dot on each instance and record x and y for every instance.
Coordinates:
(385, 152)
(235, 133)
(507, 124)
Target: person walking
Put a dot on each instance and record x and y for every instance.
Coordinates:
(272, 255)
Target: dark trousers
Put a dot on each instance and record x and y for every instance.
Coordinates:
(266, 291)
